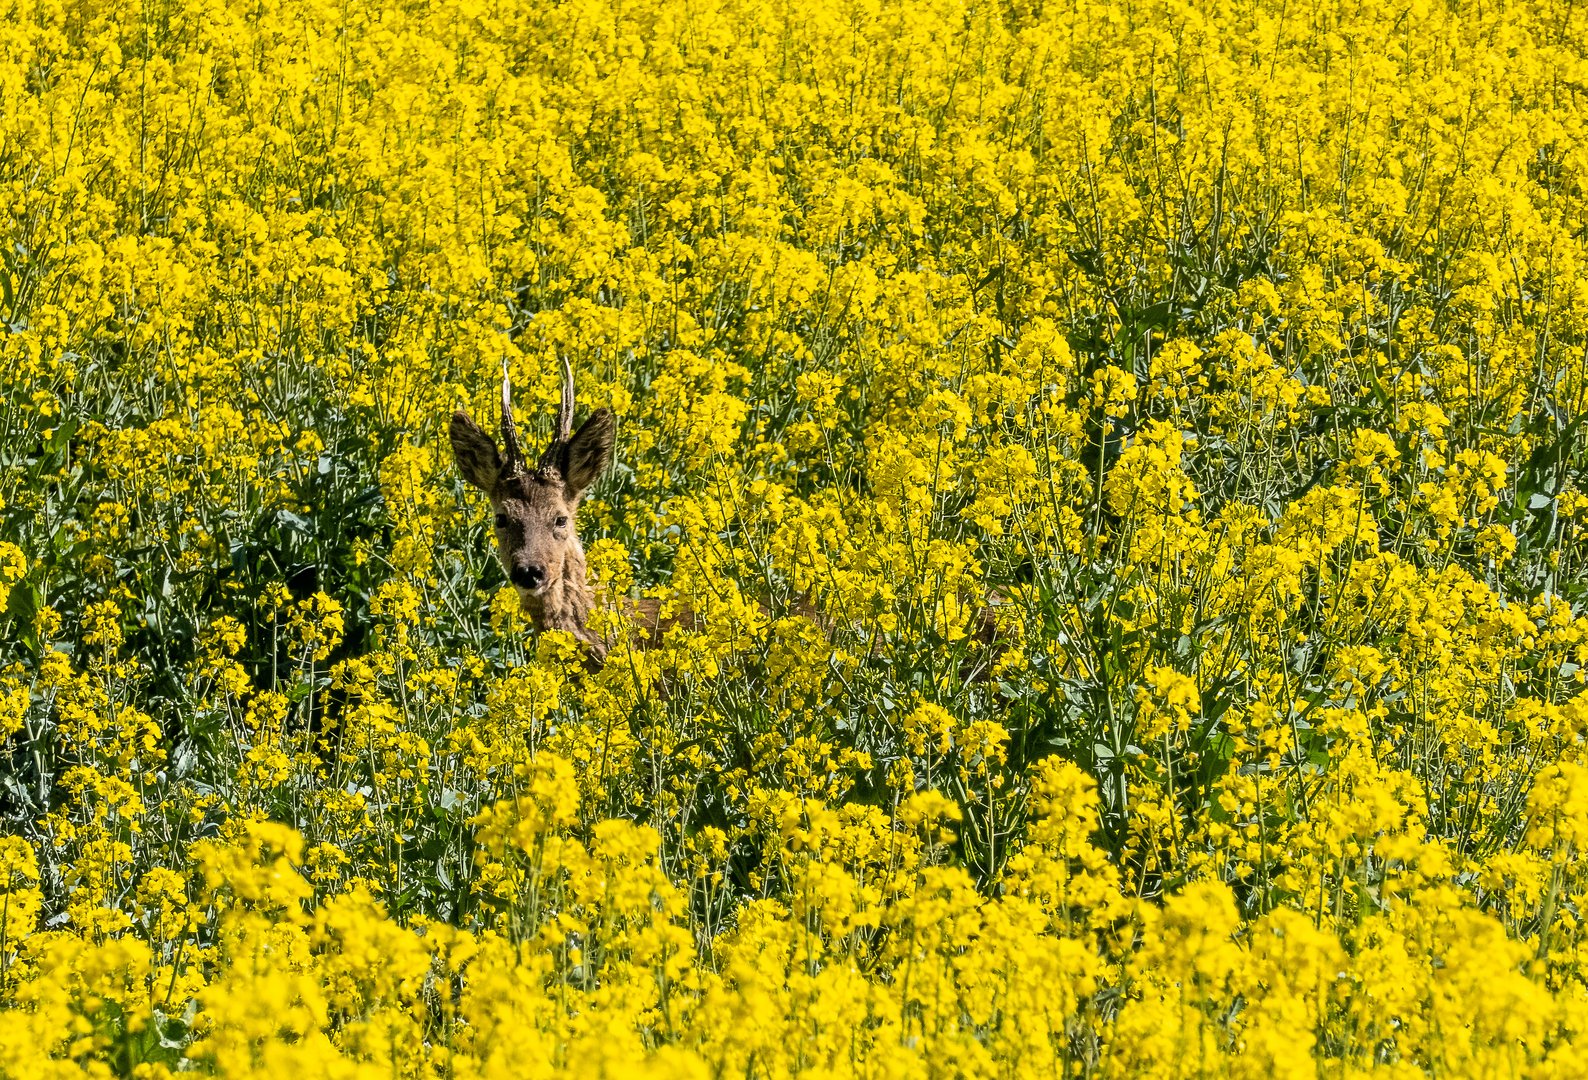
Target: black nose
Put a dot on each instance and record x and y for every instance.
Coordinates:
(528, 577)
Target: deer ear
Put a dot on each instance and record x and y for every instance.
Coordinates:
(478, 459)
(588, 452)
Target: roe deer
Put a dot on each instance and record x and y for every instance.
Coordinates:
(534, 517)
(535, 508)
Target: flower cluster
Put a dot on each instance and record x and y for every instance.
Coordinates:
(1112, 479)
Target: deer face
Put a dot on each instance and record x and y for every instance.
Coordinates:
(534, 508)
(534, 530)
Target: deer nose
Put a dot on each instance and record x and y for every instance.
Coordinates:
(528, 577)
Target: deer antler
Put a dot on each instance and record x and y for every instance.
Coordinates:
(565, 414)
(552, 458)
(515, 456)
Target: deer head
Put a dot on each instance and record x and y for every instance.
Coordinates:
(535, 507)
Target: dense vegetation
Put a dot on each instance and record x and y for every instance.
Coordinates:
(1234, 355)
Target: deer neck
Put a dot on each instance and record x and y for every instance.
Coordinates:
(566, 604)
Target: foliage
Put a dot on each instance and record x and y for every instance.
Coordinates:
(1229, 357)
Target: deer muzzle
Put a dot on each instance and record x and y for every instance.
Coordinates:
(529, 578)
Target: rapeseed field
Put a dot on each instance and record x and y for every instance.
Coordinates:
(1119, 468)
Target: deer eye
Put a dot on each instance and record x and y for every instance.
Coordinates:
(501, 521)
(562, 520)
